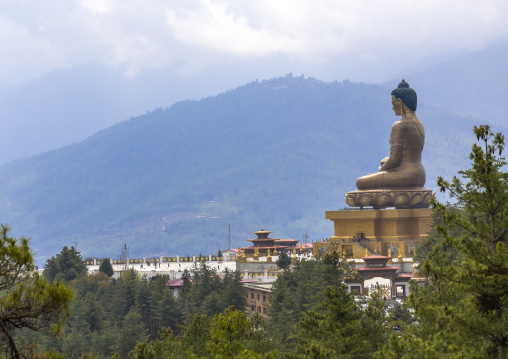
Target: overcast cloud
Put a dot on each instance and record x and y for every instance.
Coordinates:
(360, 40)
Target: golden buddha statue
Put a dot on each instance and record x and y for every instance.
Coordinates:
(256, 253)
(404, 166)
(401, 176)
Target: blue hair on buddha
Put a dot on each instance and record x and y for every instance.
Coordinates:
(406, 94)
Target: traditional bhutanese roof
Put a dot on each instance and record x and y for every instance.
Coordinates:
(273, 240)
(268, 247)
(387, 268)
(262, 231)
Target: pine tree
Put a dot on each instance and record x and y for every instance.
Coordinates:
(66, 265)
(106, 267)
(464, 310)
(284, 261)
(132, 332)
(27, 300)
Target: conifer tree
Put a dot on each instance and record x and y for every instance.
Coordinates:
(106, 267)
(27, 300)
(66, 265)
(464, 310)
(132, 332)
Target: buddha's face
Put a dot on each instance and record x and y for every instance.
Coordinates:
(397, 105)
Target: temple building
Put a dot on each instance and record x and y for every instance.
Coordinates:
(258, 261)
(263, 244)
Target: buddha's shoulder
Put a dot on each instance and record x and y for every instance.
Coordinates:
(398, 125)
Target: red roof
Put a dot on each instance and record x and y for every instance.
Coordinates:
(403, 275)
(248, 281)
(377, 268)
(178, 282)
(270, 247)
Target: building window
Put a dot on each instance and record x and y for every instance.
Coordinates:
(252, 307)
(252, 296)
(259, 309)
(264, 298)
(355, 289)
(258, 296)
(264, 310)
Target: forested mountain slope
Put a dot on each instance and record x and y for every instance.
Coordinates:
(275, 153)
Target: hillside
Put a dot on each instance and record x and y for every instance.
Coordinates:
(67, 106)
(275, 153)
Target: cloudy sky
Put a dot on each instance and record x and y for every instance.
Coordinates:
(366, 40)
(69, 68)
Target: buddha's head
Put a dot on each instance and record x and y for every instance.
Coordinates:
(403, 96)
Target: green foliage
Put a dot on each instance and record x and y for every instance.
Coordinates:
(230, 334)
(339, 326)
(66, 265)
(207, 293)
(228, 331)
(106, 267)
(463, 310)
(27, 301)
(132, 332)
(284, 260)
(301, 289)
(115, 315)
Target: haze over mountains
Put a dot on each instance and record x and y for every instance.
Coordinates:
(66, 107)
(275, 153)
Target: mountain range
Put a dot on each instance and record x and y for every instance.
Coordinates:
(274, 153)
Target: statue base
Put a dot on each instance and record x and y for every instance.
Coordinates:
(387, 232)
(409, 197)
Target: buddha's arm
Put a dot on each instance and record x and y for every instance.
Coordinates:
(395, 148)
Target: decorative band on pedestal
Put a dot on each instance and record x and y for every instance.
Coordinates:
(417, 197)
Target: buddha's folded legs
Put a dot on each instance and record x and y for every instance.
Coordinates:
(392, 178)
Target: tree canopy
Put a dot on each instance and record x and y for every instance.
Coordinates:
(463, 312)
(106, 267)
(66, 265)
(27, 300)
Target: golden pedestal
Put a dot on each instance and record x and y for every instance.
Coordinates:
(388, 232)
